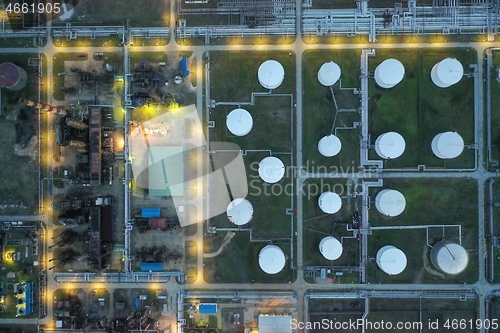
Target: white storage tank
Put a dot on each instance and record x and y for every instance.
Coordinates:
(330, 248)
(329, 202)
(271, 169)
(447, 145)
(389, 73)
(447, 72)
(391, 260)
(240, 211)
(390, 145)
(450, 258)
(239, 122)
(329, 145)
(271, 74)
(329, 74)
(390, 202)
(272, 259)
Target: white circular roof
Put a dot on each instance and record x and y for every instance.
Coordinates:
(329, 202)
(239, 122)
(447, 145)
(447, 72)
(390, 145)
(271, 169)
(329, 145)
(390, 202)
(271, 74)
(329, 74)
(271, 259)
(240, 211)
(391, 260)
(389, 73)
(451, 258)
(330, 248)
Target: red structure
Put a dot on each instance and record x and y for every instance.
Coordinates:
(44, 107)
(12, 77)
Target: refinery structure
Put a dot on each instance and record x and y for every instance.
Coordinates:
(250, 166)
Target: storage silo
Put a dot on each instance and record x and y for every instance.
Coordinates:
(240, 211)
(271, 74)
(329, 74)
(329, 145)
(390, 202)
(389, 73)
(391, 260)
(271, 259)
(447, 72)
(390, 145)
(450, 258)
(271, 169)
(239, 122)
(329, 202)
(447, 145)
(12, 77)
(330, 248)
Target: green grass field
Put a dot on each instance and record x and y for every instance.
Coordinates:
(269, 222)
(19, 181)
(117, 12)
(319, 111)
(427, 203)
(272, 125)
(244, 255)
(230, 85)
(495, 104)
(318, 225)
(418, 110)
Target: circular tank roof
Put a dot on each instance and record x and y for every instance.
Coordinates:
(9, 74)
(271, 259)
(329, 145)
(390, 145)
(271, 169)
(391, 260)
(240, 211)
(329, 74)
(447, 145)
(390, 202)
(239, 122)
(451, 258)
(330, 248)
(447, 72)
(389, 73)
(329, 202)
(271, 74)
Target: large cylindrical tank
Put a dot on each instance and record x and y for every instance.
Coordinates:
(12, 77)
(450, 258)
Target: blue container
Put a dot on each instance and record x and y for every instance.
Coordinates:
(148, 213)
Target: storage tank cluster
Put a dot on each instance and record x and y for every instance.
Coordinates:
(12, 77)
(270, 75)
(328, 74)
